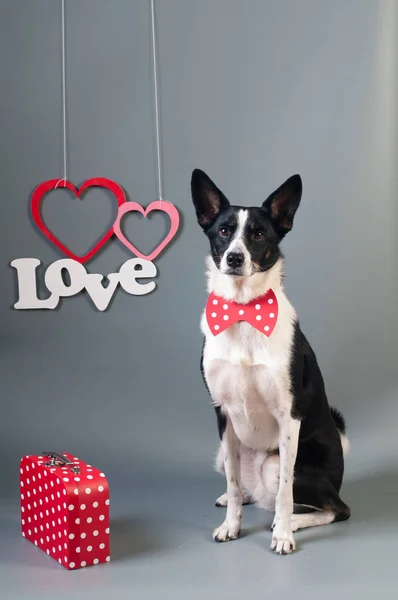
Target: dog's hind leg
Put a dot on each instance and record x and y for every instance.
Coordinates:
(318, 517)
(223, 500)
(319, 492)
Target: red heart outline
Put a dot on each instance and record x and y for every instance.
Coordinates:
(52, 184)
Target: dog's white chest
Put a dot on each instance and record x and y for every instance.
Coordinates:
(245, 371)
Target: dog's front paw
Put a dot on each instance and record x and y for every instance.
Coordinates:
(226, 532)
(282, 538)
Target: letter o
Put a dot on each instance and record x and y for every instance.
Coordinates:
(55, 283)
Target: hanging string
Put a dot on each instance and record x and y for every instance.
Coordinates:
(64, 145)
(156, 100)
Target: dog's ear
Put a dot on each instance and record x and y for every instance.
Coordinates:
(207, 198)
(282, 204)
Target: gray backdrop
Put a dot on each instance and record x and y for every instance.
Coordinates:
(251, 92)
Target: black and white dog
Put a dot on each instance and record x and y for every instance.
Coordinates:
(282, 446)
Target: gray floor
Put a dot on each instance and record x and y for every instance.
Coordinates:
(162, 547)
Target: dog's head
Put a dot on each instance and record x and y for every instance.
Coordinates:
(244, 241)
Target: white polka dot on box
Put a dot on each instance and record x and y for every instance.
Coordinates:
(65, 509)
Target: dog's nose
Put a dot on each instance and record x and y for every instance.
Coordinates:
(235, 259)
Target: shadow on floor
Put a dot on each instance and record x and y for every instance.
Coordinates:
(372, 497)
(373, 500)
(135, 536)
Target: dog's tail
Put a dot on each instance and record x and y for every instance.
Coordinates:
(341, 426)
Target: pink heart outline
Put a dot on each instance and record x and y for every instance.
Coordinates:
(162, 205)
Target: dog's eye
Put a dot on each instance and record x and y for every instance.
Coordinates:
(224, 232)
(257, 236)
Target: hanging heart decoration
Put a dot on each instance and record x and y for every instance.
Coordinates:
(161, 205)
(53, 184)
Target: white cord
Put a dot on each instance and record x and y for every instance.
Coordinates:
(63, 89)
(156, 94)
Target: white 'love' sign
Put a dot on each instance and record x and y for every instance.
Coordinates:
(129, 274)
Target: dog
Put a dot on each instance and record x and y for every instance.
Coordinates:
(281, 445)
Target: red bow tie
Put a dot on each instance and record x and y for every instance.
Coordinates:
(261, 313)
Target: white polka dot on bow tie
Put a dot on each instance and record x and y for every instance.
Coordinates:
(241, 312)
(225, 306)
(213, 315)
(270, 301)
(257, 307)
(216, 327)
(266, 328)
(258, 318)
(226, 317)
(271, 315)
(215, 302)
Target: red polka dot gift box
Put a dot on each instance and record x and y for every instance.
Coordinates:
(65, 509)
